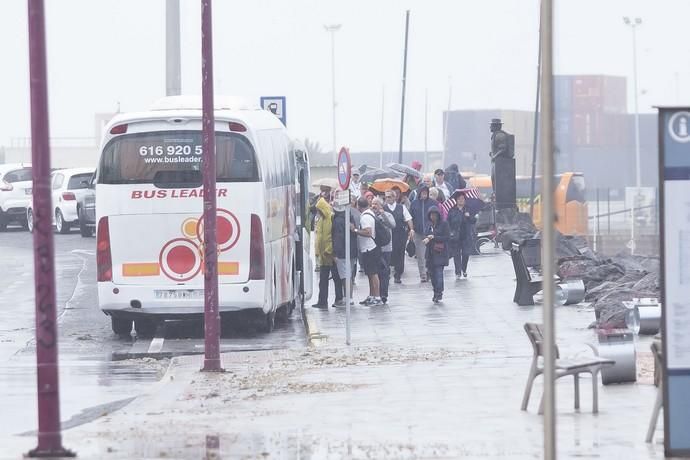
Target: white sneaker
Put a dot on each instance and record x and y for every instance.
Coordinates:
(375, 302)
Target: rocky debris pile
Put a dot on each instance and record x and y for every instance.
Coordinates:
(608, 281)
(611, 281)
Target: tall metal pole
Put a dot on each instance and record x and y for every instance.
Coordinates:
(211, 314)
(173, 73)
(445, 122)
(634, 23)
(536, 133)
(548, 253)
(404, 82)
(383, 111)
(333, 29)
(426, 128)
(638, 178)
(638, 174)
(48, 388)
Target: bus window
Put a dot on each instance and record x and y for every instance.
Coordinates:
(145, 158)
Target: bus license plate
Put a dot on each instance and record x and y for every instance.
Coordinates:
(179, 294)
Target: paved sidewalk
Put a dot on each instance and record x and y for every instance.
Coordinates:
(419, 381)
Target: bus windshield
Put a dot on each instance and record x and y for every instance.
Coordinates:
(143, 158)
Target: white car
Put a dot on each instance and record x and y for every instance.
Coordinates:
(68, 185)
(15, 193)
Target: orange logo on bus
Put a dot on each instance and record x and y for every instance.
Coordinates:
(182, 258)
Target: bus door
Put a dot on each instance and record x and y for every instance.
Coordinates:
(304, 262)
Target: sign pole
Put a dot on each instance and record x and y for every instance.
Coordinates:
(344, 176)
(48, 388)
(348, 270)
(211, 314)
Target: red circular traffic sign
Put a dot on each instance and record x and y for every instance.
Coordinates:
(344, 167)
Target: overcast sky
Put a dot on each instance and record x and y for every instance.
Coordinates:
(104, 53)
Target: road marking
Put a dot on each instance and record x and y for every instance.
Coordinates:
(156, 345)
(84, 251)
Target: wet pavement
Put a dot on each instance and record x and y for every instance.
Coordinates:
(420, 381)
(99, 371)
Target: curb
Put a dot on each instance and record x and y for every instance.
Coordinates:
(314, 336)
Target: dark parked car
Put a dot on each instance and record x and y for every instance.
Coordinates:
(87, 210)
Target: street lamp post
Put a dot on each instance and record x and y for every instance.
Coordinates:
(333, 28)
(634, 23)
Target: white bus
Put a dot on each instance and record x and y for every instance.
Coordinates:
(149, 207)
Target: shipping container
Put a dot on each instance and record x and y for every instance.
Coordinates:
(588, 129)
(563, 94)
(599, 93)
(615, 95)
(617, 130)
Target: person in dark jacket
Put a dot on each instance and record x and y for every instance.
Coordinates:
(461, 222)
(454, 178)
(338, 231)
(401, 234)
(420, 220)
(436, 241)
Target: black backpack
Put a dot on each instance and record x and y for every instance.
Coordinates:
(383, 234)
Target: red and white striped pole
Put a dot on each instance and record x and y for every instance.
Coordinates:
(48, 389)
(211, 313)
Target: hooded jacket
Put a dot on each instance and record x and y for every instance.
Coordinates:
(454, 178)
(419, 210)
(324, 239)
(462, 228)
(437, 247)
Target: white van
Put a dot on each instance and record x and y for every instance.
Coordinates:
(150, 205)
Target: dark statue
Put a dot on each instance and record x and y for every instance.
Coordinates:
(502, 146)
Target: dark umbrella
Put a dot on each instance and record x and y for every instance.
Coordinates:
(373, 174)
(405, 170)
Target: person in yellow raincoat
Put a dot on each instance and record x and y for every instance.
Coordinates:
(324, 250)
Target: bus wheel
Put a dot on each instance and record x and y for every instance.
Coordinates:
(269, 322)
(121, 326)
(145, 327)
(283, 313)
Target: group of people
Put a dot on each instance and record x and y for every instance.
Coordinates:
(431, 221)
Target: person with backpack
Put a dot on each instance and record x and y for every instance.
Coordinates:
(436, 241)
(370, 252)
(388, 221)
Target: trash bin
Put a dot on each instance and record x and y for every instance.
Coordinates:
(618, 345)
(570, 292)
(649, 313)
(643, 316)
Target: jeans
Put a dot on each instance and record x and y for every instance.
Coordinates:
(420, 252)
(325, 273)
(437, 279)
(385, 273)
(460, 259)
